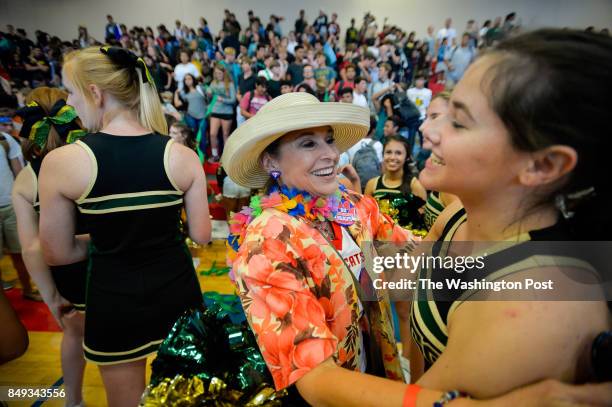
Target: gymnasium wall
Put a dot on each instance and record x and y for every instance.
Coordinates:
(61, 17)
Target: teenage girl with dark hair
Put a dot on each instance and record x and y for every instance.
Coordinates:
(399, 181)
(193, 95)
(525, 165)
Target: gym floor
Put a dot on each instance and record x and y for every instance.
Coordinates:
(40, 365)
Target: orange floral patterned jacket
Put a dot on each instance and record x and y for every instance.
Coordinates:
(299, 296)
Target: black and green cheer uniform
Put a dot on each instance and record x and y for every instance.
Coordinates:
(430, 314)
(433, 208)
(408, 206)
(141, 275)
(70, 279)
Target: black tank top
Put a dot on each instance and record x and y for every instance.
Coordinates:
(132, 206)
(35, 165)
(430, 314)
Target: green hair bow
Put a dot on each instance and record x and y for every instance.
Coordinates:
(62, 118)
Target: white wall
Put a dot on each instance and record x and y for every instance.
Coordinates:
(61, 17)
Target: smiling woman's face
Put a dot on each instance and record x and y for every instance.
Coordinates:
(394, 155)
(307, 160)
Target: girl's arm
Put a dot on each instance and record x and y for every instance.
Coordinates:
(369, 188)
(27, 227)
(232, 96)
(188, 176)
(64, 177)
(332, 386)
(244, 105)
(177, 99)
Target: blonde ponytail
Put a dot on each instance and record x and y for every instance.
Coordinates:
(90, 66)
(151, 114)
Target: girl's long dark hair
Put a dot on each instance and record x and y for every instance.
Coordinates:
(554, 86)
(408, 168)
(194, 81)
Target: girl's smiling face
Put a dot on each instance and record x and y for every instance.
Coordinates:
(474, 156)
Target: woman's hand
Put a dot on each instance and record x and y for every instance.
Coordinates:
(351, 175)
(60, 308)
(349, 172)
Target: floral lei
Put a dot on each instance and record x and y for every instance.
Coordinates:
(289, 200)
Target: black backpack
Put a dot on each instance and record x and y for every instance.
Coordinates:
(365, 162)
(403, 107)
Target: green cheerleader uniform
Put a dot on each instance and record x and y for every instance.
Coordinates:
(433, 208)
(432, 310)
(141, 275)
(405, 208)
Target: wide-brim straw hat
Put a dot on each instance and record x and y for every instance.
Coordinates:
(284, 114)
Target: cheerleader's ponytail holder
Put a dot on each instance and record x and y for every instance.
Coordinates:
(62, 117)
(146, 75)
(127, 59)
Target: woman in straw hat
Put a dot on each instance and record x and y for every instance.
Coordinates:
(298, 263)
(303, 242)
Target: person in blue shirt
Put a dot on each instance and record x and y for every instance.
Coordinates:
(112, 32)
(442, 50)
(229, 63)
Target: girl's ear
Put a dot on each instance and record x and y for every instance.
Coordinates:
(548, 165)
(97, 95)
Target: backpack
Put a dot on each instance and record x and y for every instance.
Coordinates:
(365, 162)
(403, 107)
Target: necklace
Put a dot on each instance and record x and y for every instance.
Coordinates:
(318, 211)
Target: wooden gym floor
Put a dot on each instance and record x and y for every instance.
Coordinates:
(40, 365)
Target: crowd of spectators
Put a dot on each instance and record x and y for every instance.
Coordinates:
(213, 82)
